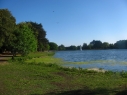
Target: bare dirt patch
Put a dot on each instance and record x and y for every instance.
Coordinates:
(4, 58)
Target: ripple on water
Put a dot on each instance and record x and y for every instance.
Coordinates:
(114, 60)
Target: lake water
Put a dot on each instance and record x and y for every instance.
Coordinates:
(114, 60)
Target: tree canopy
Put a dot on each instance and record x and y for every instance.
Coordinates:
(53, 46)
(105, 45)
(40, 35)
(84, 46)
(122, 44)
(24, 37)
(61, 47)
(7, 27)
(25, 41)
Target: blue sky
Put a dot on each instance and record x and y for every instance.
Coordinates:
(74, 22)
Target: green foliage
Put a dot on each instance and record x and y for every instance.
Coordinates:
(40, 35)
(122, 44)
(72, 47)
(53, 46)
(7, 27)
(25, 41)
(96, 44)
(84, 46)
(37, 57)
(111, 46)
(105, 45)
(61, 47)
(47, 47)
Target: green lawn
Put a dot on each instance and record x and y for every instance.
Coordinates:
(34, 77)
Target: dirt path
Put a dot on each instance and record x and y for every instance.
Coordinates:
(4, 58)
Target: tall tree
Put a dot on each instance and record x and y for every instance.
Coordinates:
(40, 35)
(7, 27)
(25, 40)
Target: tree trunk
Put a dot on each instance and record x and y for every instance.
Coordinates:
(13, 54)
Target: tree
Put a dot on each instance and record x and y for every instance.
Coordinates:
(47, 47)
(122, 44)
(73, 47)
(61, 47)
(111, 46)
(7, 27)
(78, 47)
(105, 45)
(25, 40)
(84, 46)
(96, 44)
(40, 35)
(53, 46)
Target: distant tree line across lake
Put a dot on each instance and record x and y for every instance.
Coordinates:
(97, 44)
(26, 37)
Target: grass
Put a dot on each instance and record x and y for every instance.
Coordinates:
(38, 57)
(45, 59)
(46, 78)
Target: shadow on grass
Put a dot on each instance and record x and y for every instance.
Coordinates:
(124, 92)
(86, 91)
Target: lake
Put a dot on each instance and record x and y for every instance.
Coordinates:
(113, 60)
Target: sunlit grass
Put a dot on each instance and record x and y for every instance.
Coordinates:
(45, 59)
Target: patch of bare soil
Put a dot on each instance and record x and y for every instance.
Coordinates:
(4, 58)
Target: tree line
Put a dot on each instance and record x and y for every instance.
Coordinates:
(95, 44)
